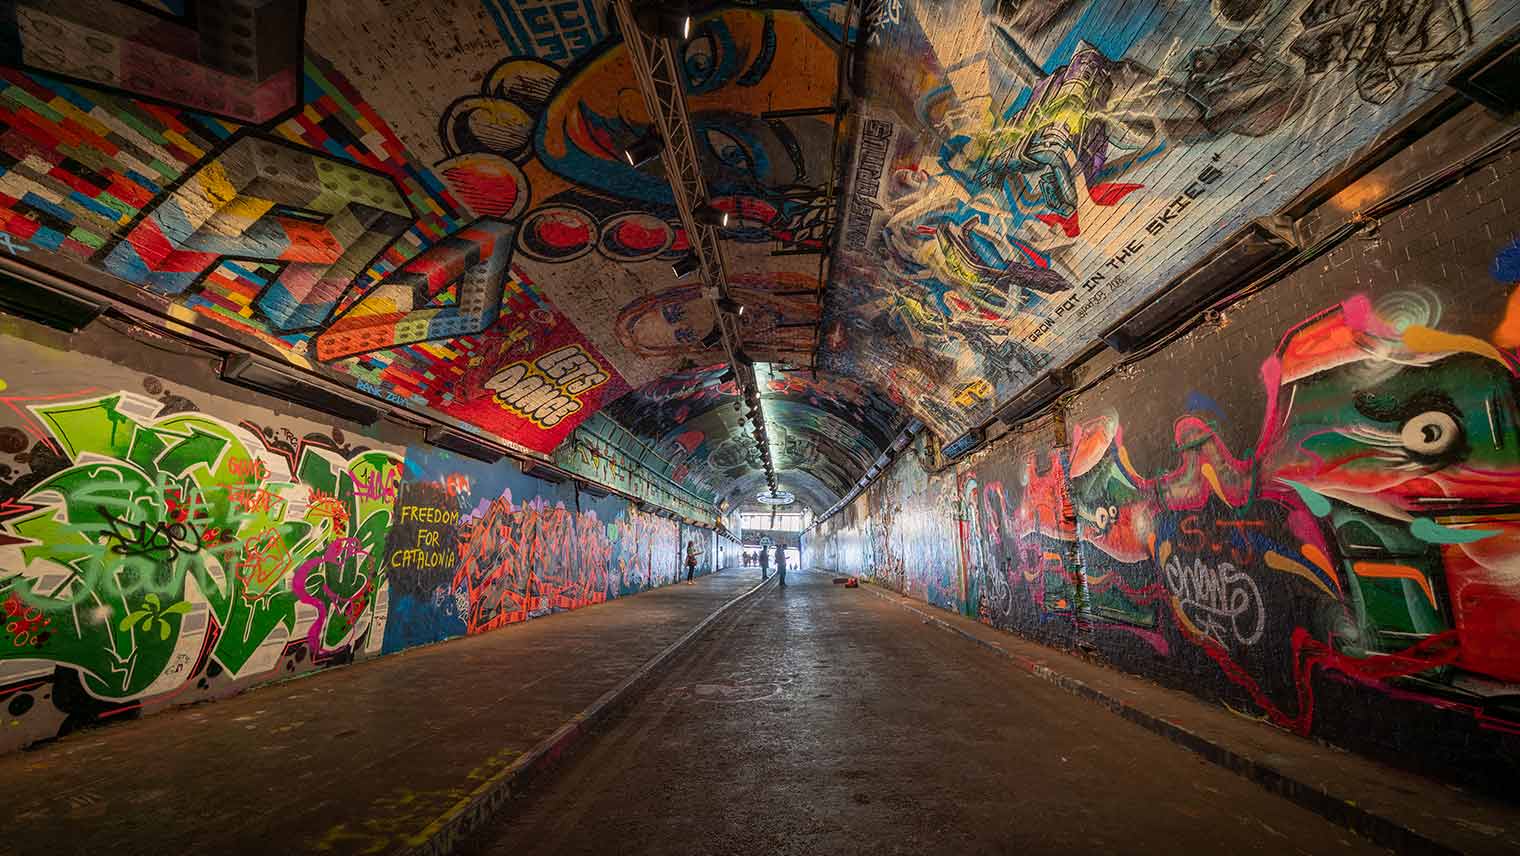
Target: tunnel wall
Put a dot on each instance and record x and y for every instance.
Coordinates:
(730, 554)
(1305, 511)
(166, 538)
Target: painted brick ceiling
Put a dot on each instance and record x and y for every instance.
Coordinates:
(425, 201)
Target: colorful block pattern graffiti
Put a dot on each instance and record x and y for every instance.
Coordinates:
(1025, 173)
(316, 238)
(242, 61)
(454, 232)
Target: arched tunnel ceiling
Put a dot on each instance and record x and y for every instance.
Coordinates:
(823, 431)
(1025, 172)
(426, 201)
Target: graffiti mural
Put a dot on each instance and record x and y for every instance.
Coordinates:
(538, 131)
(705, 543)
(160, 546)
(1019, 544)
(1362, 550)
(1023, 174)
(477, 249)
(823, 430)
(153, 553)
(605, 452)
(900, 534)
(479, 546)
(315, 238)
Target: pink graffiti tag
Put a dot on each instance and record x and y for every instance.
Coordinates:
(352, 606)
(377, 484)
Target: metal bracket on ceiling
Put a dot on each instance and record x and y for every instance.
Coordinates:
(657, 70)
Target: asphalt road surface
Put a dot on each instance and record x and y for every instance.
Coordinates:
(817, 719)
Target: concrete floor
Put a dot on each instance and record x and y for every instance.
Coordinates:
(819, 719)
(344, 762)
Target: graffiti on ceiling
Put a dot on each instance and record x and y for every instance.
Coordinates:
(1024, 173)
(445, 221)
(823, 432)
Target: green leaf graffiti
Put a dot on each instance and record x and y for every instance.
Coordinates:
(167, 539)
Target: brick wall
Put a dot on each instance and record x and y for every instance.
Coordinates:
(1305, 508)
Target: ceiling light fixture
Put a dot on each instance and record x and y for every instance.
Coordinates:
(645, 149)
(707, 215)
(730, 306)
(664, 20)
(686, 265)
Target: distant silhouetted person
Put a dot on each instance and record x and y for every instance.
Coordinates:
(781, 565)
(765, 564)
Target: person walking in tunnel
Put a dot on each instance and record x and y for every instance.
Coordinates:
(691, 562)
(765, 564)
(781, 565)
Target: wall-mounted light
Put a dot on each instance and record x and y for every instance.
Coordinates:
(643, 150)
(1031, 398)
(1253, 250)
(45, 305)
(464, 444)
(287, 384)
(730, 306)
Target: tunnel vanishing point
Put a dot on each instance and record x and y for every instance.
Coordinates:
(1166, 353)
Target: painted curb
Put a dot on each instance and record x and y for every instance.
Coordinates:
(441, 836)
(1338, 810)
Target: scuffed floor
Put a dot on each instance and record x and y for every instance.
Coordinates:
(816, 719)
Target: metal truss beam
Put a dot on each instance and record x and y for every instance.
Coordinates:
(658, 71)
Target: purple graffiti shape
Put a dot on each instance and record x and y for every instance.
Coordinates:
(339, 550)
